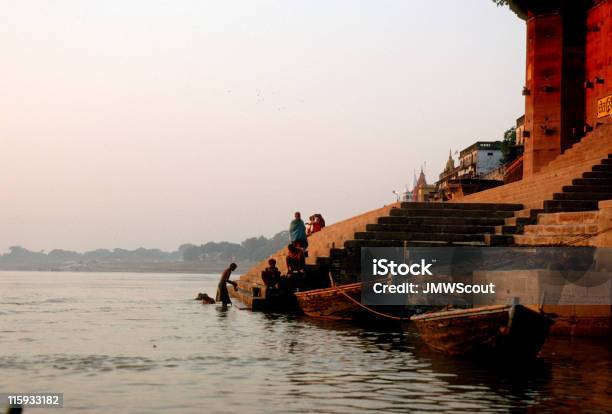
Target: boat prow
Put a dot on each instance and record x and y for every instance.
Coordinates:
(513, 331)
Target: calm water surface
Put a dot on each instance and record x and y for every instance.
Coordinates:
(137, 343)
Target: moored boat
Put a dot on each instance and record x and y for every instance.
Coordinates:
(343, 302)
(337, 302)
(513, 331)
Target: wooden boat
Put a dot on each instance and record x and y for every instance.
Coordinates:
(337, 302)
(513, 331)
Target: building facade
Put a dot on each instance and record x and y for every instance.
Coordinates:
(568, 74)
(479, 159)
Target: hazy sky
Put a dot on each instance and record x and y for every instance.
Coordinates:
(155, 123)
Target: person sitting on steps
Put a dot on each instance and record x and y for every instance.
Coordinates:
(271, 275)
(315, 224)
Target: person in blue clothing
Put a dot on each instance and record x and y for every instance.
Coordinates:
(297, 232)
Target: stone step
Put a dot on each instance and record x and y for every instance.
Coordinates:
(582, 196)
(598, 174)
(248, 285)
(534, 240)
(336, 253)
(561, 229)
(506, 229)
(572, 165)
(521, 221)
(583, 151)
(458, 221)
(461, 206)
(587, 188)
(425, 228)
(607, 161)
(451, 213)
(602, 167)
(580, 217)
(529, 215)
(498, 239)
(397, 235)
(522, 213)
(593, 181)
(569, 205)
(357, 244)
(517, 226)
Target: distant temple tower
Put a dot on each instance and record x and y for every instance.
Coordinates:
(450, 163)
(422, 190)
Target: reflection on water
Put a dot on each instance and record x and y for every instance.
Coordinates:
(137, 343)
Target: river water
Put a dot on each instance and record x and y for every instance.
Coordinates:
(138, 343)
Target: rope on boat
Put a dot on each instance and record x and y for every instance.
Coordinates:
(384, 315)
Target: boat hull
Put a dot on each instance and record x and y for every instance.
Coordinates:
(339, 302)
(512, 331)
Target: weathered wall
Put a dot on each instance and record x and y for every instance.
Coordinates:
(543, 92)
(604, 225)
(598, 59)
(488, 163)
(592, 317)
(568, 71)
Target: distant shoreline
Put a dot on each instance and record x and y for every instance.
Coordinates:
(170, 267)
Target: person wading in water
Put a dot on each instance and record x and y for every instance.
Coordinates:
(222, 293)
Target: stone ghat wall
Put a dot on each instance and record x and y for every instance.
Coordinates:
(604, 225)
(320, 243)
(581, 310)
(580, 228)
(532, 191)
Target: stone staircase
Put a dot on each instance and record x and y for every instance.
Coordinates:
(420, 225)
(408, 224)
(554, 229)
(559, 221)
(584, 193)
(575, 181)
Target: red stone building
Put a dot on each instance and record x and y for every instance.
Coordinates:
(568, 86)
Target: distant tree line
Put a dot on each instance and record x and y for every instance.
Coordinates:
(252, 249)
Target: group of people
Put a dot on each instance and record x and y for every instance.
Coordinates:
(299, 231)
(297, 251)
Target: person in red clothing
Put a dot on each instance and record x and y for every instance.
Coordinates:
(315, 224)
(295, 259)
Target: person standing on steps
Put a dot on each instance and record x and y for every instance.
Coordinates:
(222, 292)
(297, 232)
